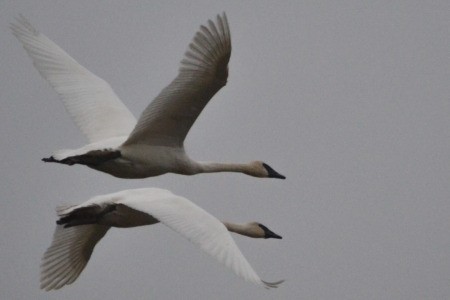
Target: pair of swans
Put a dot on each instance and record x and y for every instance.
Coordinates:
(122, 147)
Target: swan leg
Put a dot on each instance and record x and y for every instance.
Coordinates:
(92, 158)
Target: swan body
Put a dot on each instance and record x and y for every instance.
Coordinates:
(80, 228)
(120, 146)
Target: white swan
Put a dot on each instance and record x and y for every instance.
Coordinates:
(155, 145)
(82, 226)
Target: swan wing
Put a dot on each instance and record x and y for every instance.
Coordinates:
(90, 100)
(199, 227)
(68, 254)
(72, 247)
(203, 72)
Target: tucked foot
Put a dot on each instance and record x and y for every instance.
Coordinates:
(92, 158)
(67, 161)
(50, 159)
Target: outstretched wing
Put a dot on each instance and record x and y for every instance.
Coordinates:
(199, 227)
(90, 100)
(68, 254)
(204, 70)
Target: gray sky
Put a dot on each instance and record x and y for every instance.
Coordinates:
(349, 100)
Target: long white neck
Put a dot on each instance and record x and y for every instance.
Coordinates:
(213, 167)
(243, 229)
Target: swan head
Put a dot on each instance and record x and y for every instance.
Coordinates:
(254, 230)
(261, 169)
(261, 231)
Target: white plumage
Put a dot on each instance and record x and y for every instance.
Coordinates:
(89, 100)
(81, 227)
(154, 145)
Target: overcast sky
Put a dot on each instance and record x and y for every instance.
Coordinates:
(350, 100)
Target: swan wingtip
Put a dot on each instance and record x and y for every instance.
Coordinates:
(275, 284)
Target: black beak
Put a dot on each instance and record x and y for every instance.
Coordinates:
(272, 172)
(269, 234)
(272, 235)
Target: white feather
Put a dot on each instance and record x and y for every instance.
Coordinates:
(199, 227)
(68, 254)
(204, 70)
(71, 247)
(90, 100)
(155, 145)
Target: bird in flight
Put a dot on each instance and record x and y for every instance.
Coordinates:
(154, 145)
(81, 227)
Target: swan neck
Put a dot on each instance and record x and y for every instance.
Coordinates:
(213, 167)
(241, 229)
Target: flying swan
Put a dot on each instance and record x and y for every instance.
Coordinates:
(154, 145)
(81, 227)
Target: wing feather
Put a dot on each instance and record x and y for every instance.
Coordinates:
(72, 247)
(204, 71)
(68, 254)
(199, 227)
(90, 100)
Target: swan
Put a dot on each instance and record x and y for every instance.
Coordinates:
(81, 227)
(154, 145)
